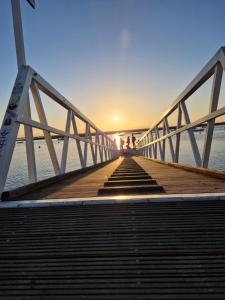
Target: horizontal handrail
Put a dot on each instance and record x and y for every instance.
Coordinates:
(19, 112)
(49, 90)
(155, 137)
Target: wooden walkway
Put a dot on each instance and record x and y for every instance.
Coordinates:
(170, 251)
(173, 180)
(85, 185)
(180, 181)
(122, 251)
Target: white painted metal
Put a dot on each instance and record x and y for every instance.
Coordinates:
(18, 33)
(100, 147)
(170, 139)
(213, 107)
(32, 172)
(159, 143)
(18, 114)
(86, 144)
(92, 146)
(79, 149)
(66, 143)
(193, 142)
(215, 66)
(10, 126)
(197, 82)
(163, 141)
(50, 91)
(21, 61)
(179, 120)
(43, 120)
(96, 147)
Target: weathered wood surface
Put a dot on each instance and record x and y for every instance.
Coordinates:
(179, 181)
(76, 186)
(115, 251)
(128, 172)
(173, 180)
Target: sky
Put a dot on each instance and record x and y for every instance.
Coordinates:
(120, 62)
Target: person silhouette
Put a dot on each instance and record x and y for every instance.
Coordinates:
(128, 142)
(133, 141)
(121, 144)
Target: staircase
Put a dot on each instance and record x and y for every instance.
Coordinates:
(130, 179)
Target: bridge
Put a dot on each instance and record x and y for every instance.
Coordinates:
(133, 225)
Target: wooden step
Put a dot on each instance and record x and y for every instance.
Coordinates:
(130, 182)
(131, 190)
(129, 170)
(127, 177)
(129, 173)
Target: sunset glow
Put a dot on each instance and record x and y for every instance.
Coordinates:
(115, 118)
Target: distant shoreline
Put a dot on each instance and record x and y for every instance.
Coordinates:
(135, 131)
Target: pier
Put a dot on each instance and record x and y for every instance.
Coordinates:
(173, 178)
(130, 224)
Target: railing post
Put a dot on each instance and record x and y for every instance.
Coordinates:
(150, 151)
(10, 126)
(170, 140)
(78, 142)
(100, 147)
(96, 146)
(177, 149)
(164, 141)
(86, 144)
(30, 153)
(43, 120)
(66, 143)
(159, 143)
(213, 106)
(92, 146)
(103, 148)
(194, 145)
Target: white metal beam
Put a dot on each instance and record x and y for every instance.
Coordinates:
(10, 127)
(170, 139)
(206, 72)
(78, 142)
(31, 164)
(179, 120)
(18, 33)
(46, 131)
(66, 143)
(191, 134)
(213, 107)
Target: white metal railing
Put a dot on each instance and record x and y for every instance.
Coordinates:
(19, 112)
(153, 143)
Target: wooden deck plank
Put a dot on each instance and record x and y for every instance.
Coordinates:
(173, 180)
(180, 181)
(77, 186)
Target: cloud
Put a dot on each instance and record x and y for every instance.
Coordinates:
(125, 39)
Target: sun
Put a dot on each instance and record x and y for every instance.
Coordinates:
(115, 118)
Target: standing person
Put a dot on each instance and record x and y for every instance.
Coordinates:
(121, 144)
(128, 142)
(114, 144)
(133, 141)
